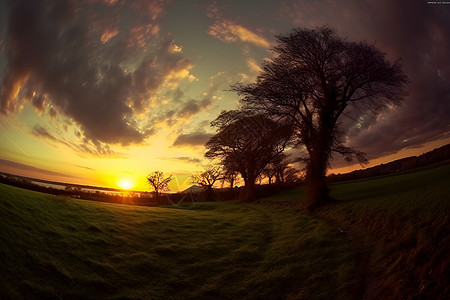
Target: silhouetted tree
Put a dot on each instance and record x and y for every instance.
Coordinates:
(314, 77)
(269, 172)
(207, 178)
(275, 168)
(280, 169)
(280, 165)
(159, 183)
(247, 143)
(229, 175)
(291, 176)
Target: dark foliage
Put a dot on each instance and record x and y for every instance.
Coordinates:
(314, 77)
(246, 143)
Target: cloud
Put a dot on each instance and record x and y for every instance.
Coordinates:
(254, 67)
(89, 66)
(154, 8)
(193, 107)
(108, 34)
(43, 133)
(142, 34)
(417, 33)
(23, 167)
(91, 147)
(229, 31)
(186, 159)
(181, 109)
(192, 139)
(83, 167)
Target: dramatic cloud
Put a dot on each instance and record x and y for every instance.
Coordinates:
(414, 31)
(192, 139)
(181, 109)
(99, 70)
(229, 31)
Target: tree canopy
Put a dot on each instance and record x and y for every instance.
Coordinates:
(314, 77)
(246, 143)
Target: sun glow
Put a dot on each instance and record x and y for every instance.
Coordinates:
(126, 183)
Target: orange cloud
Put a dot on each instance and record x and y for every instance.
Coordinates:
(253, 65)
(108, 34)
(141, 35)
(10, 89)
(155, 9)
(228, 31)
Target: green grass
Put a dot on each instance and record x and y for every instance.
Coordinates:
(396, 234)
(402, 222)
(53, 247)
(405, 222)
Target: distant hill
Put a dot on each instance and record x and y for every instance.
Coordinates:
(192, 189)
(437, 156)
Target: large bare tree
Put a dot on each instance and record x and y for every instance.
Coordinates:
(314, 77)
(247, 143)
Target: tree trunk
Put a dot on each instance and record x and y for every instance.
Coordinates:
(249, 190)
(317, 193)
(251, 196)
(208, 194)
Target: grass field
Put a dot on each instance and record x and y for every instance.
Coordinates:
(53, 247)
(403, 222)
(399, 225)
(394, 244)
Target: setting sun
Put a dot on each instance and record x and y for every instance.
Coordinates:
(125, 183)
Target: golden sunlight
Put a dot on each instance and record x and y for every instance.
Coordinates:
(125, 183)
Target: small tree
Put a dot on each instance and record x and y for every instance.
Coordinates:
(269, 172)
(314, 77)
(280, 169)
(159, 183)
(279, 166)
(207, 178)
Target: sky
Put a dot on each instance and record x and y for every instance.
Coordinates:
(101, 92)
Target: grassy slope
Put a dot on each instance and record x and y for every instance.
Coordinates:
(402, 222)
(406, 225)
(51, 247)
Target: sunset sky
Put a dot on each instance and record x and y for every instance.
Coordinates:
(101, 91)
